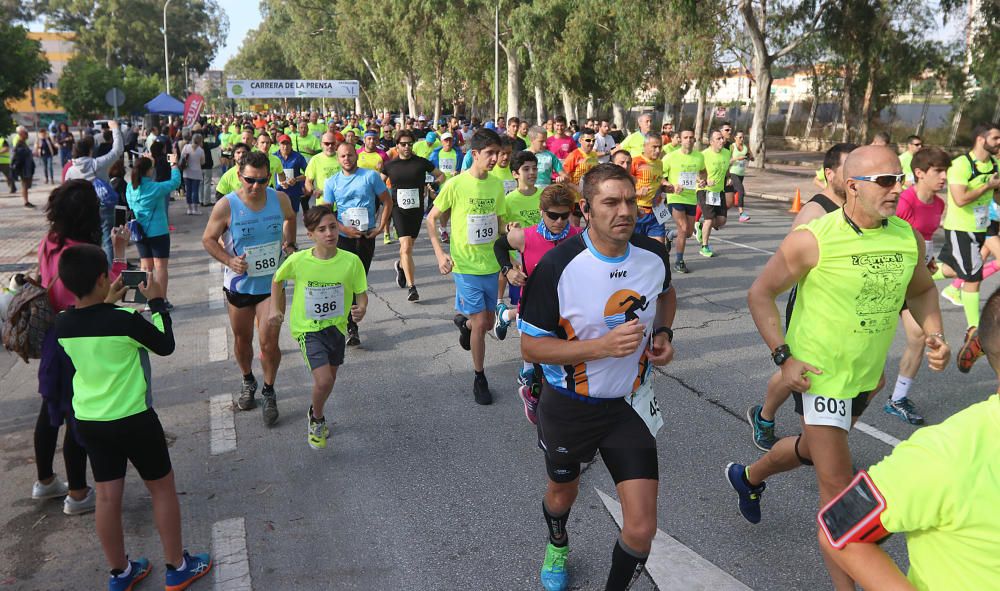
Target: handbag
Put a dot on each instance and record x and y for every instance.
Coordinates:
(29, 317)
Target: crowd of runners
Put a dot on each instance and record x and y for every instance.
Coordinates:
(568, 234)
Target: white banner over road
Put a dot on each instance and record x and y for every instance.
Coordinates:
(261, 89)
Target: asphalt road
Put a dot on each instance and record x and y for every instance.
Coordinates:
(420, 488)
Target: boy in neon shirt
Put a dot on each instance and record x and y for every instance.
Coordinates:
(502, 170)
(521, 209)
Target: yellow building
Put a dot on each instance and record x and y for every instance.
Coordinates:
(58, 48)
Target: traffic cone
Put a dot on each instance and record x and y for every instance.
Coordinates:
(797, 204)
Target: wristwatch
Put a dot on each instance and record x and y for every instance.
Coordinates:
(504, 269)
(781, 354)
(664, 329)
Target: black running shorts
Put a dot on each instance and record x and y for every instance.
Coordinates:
(138, 439)
(960, 251)
(244, 300)
(408, 221)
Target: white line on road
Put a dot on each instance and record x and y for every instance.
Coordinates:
(765, 251)
(215, 298)
(673, 565)
(218, 344)
(223, 433)
(229, 551)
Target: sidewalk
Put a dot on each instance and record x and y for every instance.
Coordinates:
(21, 230)
(778, 182)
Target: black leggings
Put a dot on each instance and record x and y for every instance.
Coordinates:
(365, 249)
(75, 457)
(741, 195)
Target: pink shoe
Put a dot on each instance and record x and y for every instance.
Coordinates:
(530, 404)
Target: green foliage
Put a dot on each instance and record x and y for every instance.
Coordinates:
(85, 81)
(16, 48)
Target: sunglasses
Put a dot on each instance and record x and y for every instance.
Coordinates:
(916, 145)
(883, 180)
(557, 216)
(257, 181)
(329, 143)
(586, 141)
(404, 144)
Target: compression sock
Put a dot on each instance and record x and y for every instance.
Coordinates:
(557, 527)
(970, 301)
(903, 384)
(626, 566)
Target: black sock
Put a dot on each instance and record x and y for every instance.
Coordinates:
(267, 388)
(626, 566)
(481, 374)
(248, 377)
(557, 527)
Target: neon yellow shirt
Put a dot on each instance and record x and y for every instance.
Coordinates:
(307, 145)
(942, 488)
(716, 166)
(307, 271)
(473, 203)
(228, 182)
(522, 208)
(320, 168)
(633, 143)
(423, 149)
(972, 217)
(680, 167)
(506, 177)
(370, 160)
(905, 161)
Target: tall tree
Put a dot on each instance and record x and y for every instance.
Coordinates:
(17, 48)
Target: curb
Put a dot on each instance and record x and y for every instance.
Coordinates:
(770, 197)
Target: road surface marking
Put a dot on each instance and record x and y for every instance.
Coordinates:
(229, 552)
(218, 344)
(223, 434)
(763, 250)
(673, 565)
(215, 298)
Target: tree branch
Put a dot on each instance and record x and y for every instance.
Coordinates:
(798, 41)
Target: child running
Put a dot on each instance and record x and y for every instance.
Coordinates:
(109, 347)
(324, 277)
(556, 204)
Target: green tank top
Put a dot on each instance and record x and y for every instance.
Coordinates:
(847, 307)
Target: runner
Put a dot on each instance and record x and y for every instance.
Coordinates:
(256, 224)
(502, 169)
(636, 141)
(513, 124)
(277, 173)
(736, 193)
(605, 404)
(684, 170)
(407, 175)
(919, 206)
(833, 197)
(711, 199)
(913, 145)
(550, 168)
(583, 158)
(622, 159)
(560, 143)
(293, 165)
(317, 126)
(230, 180)
(447, 158)
(304, 142)
(972, 182)
(475, 200)
(870, 266)
(424, 146)
(647, 169)
(604, 144)
(322, 166)
(355, 193)
(323, 275)
(370, 156)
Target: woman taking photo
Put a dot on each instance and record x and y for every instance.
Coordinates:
(148, 201)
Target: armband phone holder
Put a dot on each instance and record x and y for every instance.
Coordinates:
(854, 516)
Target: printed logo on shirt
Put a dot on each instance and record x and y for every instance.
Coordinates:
(623, 306)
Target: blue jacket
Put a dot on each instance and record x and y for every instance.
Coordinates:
(148, 202)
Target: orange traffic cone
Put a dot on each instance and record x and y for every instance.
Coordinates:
(797, 204)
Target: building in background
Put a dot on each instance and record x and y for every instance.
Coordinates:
(58, 48)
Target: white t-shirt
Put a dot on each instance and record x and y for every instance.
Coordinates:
(604, 143)
(196, 157)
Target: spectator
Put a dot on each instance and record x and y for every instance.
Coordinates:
(88, 168)
(64, 138)
(22, 164)
(192, 160)
(46, 149)
(149, 199)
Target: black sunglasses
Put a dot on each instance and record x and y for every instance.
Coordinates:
(557, 216)
(404, 143)
(257, 181)
(329, 143)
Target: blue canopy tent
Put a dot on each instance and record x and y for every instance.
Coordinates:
(164, 104)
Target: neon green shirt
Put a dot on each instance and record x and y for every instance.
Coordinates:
(522, 208)
(847, 308)
(975, 216)
(229, 181)
(506, 177)
(716, 166)
(317, 130)
(633, 143)
(475, 208)
(307, 145)
(423, 149)
(942, 488)
(681, 170)
(5, 156)
(905, 161)
(739, 167)
(326, 307)
(320, 168)
(668, 150)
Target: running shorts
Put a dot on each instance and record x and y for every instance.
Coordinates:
(475, 293)
(244, 300)
(408, 221)
(647, 225)
(138, 439)
(322, 347)
(960, 251)
(712, 211)
(993, 229)
(690, 210)
(154, 247)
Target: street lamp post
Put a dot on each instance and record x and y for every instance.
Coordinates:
(166, 55)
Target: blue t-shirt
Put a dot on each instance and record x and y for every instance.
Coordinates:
(350, 191)
(467, 161)
(296, 162)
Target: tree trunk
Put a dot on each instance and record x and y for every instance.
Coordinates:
(590, 107)
(845, 103)
(513, 82)
(357, 105)
(539, 105)
(568, 109)
(667, 118)
(761, 110)
(619, 114)
(955, 122)
(812, 116)
(866, 105)
(788, 117)
(923, 114)
(699, 117)
(411, 99)
(996, 109)
(711, 119)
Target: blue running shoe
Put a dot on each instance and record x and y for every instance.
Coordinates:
(763, 431)
(554, 575)
(140, 570)
(195, 567)
(499, 324)
(525, 376)
(749, 496)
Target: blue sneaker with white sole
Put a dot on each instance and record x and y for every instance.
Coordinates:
(749, 495)
(195, 567)
(140, 570)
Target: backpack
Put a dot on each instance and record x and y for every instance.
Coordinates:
(975, 171)
(29, 318)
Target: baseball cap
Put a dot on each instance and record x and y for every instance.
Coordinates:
(446, 136)
(284, 138)
(431, 136)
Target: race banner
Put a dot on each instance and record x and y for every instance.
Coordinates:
(192, 108)
(261, 89)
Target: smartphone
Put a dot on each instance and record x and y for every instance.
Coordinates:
(132, 280)
(853, 514)
(121, 215)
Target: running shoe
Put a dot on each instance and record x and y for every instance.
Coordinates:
(499, 324)
(970, 351)
(525, 376)
(952, 294)
(195, 567)
(744, 217)
(904, 409)
(672, 235)
(554, 575)
(269, 409)
(530, 404)
(763, 431)
(400, 275)
(55, 489)
(85, 505)
(706, 251)
(697, 232)
(749, 495)
(444, 236)
(353, 338)
(246, 400)
(481, 390)
(413, 295)
(464, 334)
(140, 570)
(317, 432)
(680, 267)
(386, 239)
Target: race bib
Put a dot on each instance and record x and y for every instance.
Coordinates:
(263, 259)
(643, 402)
(689, 180)
(509, 186)
(482, 228)
(662, 213)
(982, 215)
(446, 166)
(408, 198)
(357, 218)
(323, 303)
(738, 168)
(821, 410)
(713, 198)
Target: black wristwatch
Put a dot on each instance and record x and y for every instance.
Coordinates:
(504, 269)
(664, 329)
(781, 354)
